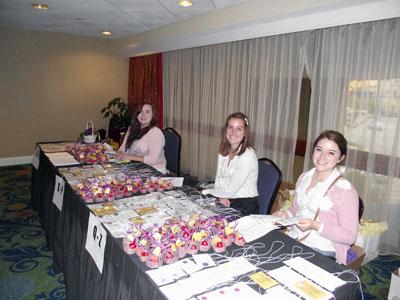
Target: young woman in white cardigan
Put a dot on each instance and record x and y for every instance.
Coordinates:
(237, 169)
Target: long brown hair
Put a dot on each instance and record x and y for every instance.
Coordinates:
(224, 145)
(135, 130)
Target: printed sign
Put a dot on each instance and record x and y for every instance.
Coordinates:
(58, 194)
(96, 238)
(36, 158)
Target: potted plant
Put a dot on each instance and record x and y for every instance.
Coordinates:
(120, 119)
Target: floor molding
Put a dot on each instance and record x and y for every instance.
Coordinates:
(17, 160)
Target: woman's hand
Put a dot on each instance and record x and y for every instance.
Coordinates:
(120, 155)
(308, 224)
(225, 202)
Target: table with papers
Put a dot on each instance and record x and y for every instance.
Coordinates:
(125, 277)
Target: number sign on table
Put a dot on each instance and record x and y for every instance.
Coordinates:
(58, 194)
(36, 158)
(96, 238)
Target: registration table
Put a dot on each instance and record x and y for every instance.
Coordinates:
(124, 276)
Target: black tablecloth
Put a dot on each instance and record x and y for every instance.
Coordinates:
(123, 276)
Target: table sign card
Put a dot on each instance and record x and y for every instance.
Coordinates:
(58, 194)
(96, 238)
(36, 158)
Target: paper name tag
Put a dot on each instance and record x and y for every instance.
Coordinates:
(309, 290)
(263, 280)
(96, 238)
(146, 210)
(58, 195)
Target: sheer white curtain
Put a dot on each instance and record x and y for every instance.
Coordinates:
(355, 81)
(259, 77)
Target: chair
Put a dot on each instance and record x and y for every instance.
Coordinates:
(356, 254)
(172, 150)
(269, 180)
(360, 208)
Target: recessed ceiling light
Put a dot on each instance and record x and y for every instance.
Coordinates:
(185, 3)
(40, 6)
(106, 32)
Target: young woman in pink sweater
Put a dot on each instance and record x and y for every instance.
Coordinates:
(326, 202)
(144, 141)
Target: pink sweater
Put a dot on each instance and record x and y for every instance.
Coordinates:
(339, 219)
(151, 147)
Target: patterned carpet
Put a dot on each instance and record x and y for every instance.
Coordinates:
(375, 276)
(26, 265)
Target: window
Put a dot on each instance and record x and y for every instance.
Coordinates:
(372, 125)
(372, 114)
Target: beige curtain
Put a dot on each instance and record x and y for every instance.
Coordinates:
(259, 77)
(355, 81)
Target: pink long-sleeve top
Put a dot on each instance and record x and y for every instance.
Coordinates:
(151, 147)
(338, 212)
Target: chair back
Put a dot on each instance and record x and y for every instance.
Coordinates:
(360, 208)
(269, 180)
(172, 150)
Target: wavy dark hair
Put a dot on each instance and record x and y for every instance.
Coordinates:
(135, 131)
(224, 145)
(334, 136)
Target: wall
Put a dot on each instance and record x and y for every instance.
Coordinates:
(51, 83)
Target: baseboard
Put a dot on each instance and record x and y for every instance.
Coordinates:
(17, 160)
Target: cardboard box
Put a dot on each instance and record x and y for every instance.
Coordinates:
(394, 291)
(356, 263)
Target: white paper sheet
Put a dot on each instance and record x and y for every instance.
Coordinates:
(176, 181)
(300, 284)
(62, 159)
(238, 291)
(279, 293)
(203, 280)
(188, 266)
(315, 273)
(166, 274)
(236, 266)
(252, 228)
(204, 260)
(175, 291)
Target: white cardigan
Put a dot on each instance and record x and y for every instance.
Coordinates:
(236, 178)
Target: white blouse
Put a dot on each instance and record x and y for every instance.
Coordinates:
(310, 202)
(236, 178)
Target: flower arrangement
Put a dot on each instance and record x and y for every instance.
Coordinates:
(104, 189)
(90, 153)
(176, 238)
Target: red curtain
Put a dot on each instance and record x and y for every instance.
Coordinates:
(145, 84)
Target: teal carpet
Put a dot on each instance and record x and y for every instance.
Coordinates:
(26, 265)
(375, 276)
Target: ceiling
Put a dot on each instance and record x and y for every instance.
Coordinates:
(91, 17)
